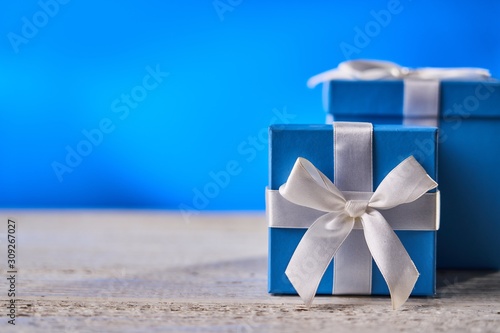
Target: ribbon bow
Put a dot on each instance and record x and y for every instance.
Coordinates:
(309, 187)
(377, 70)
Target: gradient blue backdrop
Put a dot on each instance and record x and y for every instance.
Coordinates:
(232, 67)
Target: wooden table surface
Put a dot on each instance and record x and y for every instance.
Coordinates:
(143, 271)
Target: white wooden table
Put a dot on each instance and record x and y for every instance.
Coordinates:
(143, 271)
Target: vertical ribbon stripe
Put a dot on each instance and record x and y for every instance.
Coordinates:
(353, 171)
(352, 156)
(421, 102)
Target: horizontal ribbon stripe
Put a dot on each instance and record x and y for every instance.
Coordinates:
(422, 214)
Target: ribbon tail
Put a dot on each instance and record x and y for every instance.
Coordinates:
(393, 261)
(315, 252)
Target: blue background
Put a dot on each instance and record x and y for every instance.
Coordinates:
(231, 70)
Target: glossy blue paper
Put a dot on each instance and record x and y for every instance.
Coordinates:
(469, 156)
(391, 145)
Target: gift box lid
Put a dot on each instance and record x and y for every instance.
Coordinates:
(391, 145)
(384, 98)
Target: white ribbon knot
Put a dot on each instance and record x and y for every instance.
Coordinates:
(309, 187)
(356, 208)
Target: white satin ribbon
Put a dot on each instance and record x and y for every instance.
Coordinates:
(308, 187)
(421, 96)
(419, 215)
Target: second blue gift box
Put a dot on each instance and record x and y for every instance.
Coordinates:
(465, 104)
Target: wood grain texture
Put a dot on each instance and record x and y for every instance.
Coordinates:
(141, 271)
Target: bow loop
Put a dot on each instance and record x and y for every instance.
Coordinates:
(405, 183)
(307, 186)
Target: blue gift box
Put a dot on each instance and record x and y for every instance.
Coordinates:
(469, 141)
(391, 145)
